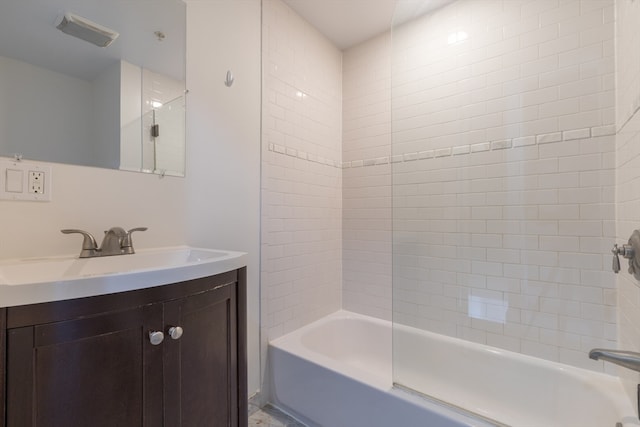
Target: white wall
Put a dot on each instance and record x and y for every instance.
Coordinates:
(502, 171)
(223, 134)
(217, 205)
(93, 200)
(302, 175)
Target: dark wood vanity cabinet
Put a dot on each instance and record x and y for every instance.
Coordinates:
(93, 361)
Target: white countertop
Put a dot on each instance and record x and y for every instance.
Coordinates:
(37, 280)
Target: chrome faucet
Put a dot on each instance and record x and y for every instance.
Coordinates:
(627, 359)
(116, 241)
(112, 241)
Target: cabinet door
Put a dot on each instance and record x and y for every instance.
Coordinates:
(201, 370)
(96, 371)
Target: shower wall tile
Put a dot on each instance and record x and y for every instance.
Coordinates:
(554, 272)
(301, 271)
(367, 190)
(367, 240)
(505, 81)
(366, 100)
(627, 60)
(627, 175)
(503, 242)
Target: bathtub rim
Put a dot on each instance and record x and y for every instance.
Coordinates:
(611, 386)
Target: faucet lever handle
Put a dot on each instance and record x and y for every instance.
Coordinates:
(616, 260)
(137, 229)
(89, 245)
(127, 242)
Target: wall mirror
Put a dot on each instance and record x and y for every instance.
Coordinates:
(68, 100)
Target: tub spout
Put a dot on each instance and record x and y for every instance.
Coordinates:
(628, 359)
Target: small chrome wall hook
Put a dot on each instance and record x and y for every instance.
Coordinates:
(228, 81)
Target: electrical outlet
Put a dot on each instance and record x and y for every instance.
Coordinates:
(36, 182)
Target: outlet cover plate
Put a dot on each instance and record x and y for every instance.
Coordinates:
(10, 169)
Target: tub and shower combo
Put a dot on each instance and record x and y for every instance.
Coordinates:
(337, 372)
(487, 171)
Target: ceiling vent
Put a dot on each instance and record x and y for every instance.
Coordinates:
(86, 30)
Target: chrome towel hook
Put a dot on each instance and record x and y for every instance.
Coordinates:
(228, 82)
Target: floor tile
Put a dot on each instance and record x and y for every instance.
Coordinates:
(272, 417)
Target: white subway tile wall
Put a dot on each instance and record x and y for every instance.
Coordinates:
(501, 81)
(367, 240)
(301, 270)
(504, 245)
(503, 175)
(627, 60)
(366, 286)
(627, 175)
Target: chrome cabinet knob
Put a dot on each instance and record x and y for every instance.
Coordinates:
(156, 337)
(175, 332)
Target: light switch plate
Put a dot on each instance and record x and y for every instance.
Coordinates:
(25, 180)
(15, 181)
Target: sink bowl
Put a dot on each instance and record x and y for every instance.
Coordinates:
(33, 280)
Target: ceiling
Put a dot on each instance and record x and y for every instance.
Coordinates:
(27, 29)
(350, 22)
(28, 33)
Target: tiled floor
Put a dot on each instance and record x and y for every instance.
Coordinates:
(271, 417)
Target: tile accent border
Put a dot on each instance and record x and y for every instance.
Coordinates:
(460, 150)
(303, 155)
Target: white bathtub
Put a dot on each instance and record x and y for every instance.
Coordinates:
(336, 372)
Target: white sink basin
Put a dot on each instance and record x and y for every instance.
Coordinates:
(34, 280)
